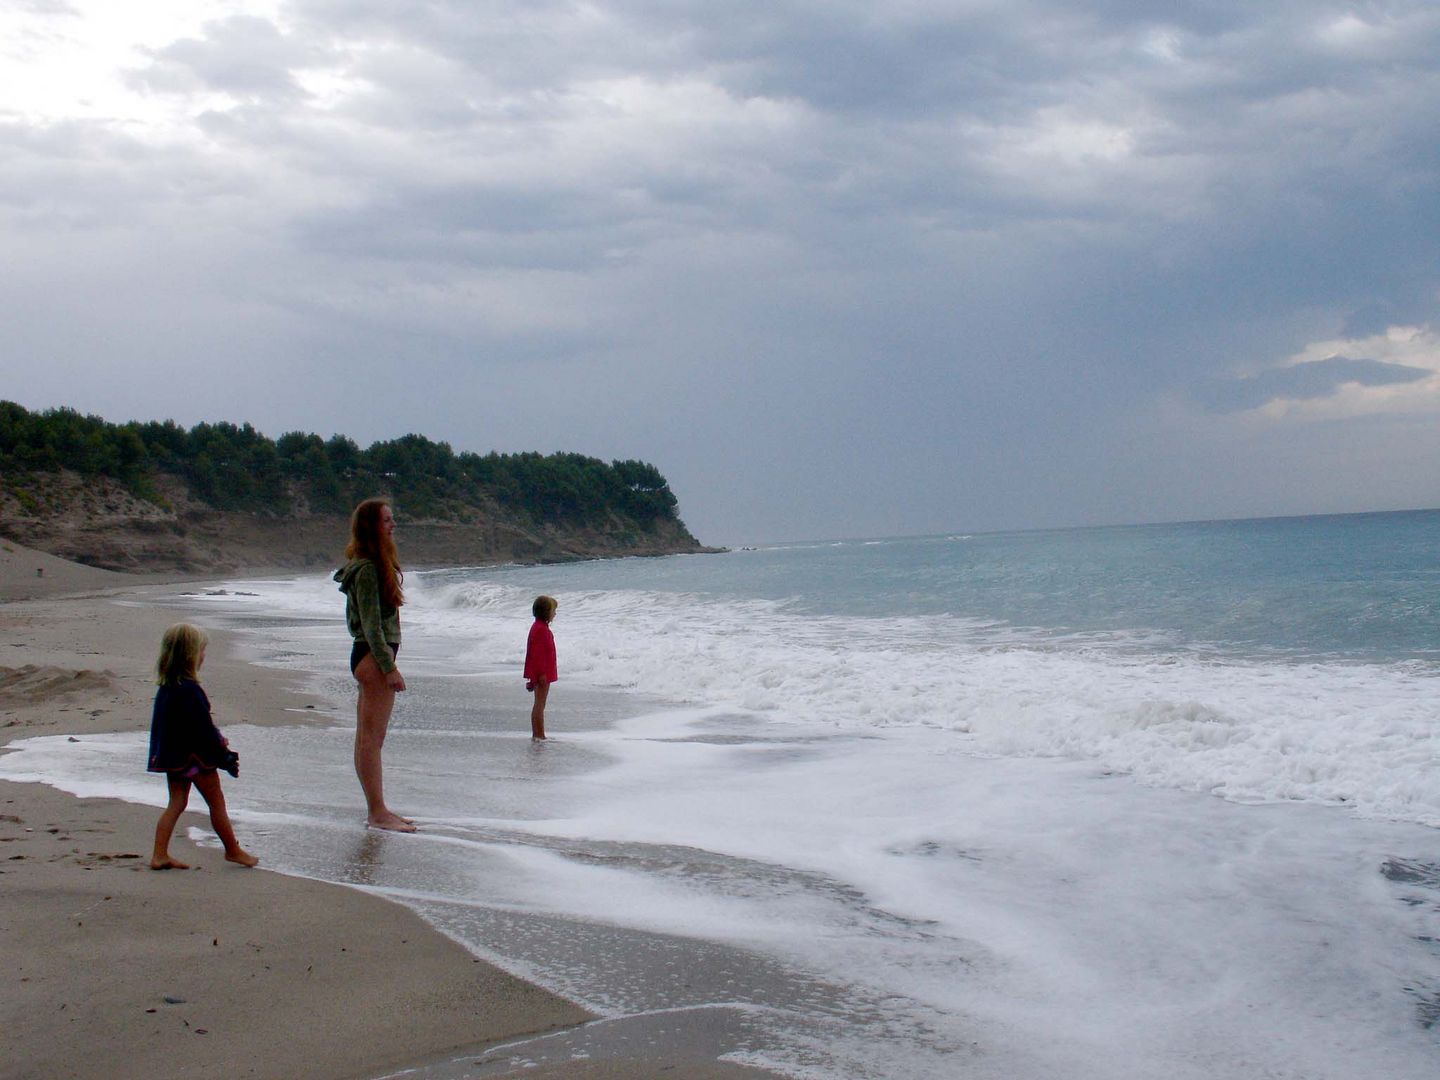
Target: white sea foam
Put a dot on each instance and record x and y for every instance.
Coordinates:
(1362, 735)
(941, 912)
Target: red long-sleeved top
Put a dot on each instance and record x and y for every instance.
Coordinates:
(540, 654)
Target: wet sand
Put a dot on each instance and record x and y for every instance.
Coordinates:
(119, 971)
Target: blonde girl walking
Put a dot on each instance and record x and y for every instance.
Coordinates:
(187, 747)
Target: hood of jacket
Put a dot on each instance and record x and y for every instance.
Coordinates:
(346, 574)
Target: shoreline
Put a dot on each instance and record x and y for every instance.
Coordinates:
(275, 976)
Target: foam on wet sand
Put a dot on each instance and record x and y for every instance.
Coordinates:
(114, 970)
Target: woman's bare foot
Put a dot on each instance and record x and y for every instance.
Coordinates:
(391, 822)
(165, 862)
(242, 857)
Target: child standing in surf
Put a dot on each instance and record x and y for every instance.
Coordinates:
(540, 669)
(187, 747)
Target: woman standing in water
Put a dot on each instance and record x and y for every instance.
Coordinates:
(372, 582)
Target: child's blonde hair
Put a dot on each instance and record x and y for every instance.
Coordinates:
(544, 607)
(181, 648)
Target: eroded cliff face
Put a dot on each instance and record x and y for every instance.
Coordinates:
(98, 522)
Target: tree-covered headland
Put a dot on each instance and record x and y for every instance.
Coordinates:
(232, 469)
(235, 467)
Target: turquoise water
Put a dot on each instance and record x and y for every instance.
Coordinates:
(1360, 586)
(1291, 659)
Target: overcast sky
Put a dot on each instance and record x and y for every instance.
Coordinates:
(837, 268)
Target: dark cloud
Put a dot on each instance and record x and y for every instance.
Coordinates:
(1375, 316)
(1305, 381)
(954, 254)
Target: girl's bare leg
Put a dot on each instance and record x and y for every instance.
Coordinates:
(160, 859)
(537, 710)
(372, 721)
(208, 784)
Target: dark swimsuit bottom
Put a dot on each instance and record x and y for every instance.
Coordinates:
(361, 649)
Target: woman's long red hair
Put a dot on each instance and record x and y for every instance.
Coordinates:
(367, 542)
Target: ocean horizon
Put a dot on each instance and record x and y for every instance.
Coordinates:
(1138, 801)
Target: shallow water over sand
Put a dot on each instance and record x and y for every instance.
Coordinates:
(695, 875)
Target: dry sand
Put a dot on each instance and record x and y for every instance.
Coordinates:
(114, 970)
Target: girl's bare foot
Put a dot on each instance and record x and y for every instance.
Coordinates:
(391, 822)
(165, 862)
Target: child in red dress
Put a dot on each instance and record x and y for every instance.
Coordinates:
(540, 661)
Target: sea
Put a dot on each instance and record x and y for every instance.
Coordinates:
(1092, 804)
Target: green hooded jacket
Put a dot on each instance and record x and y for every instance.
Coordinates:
(369, 618)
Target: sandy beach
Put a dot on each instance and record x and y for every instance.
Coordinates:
(118, 971)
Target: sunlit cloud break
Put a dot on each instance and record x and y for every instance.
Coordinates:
(1398, 371)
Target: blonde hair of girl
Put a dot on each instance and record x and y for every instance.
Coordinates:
(181, 649)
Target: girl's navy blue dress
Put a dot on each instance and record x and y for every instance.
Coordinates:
(183, 738)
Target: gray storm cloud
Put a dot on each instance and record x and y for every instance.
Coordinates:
(836, 269)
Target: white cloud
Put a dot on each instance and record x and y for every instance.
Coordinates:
(70, 61)
(1408, 346)
(1377, 35)
(1394, 373)
(1417, 346)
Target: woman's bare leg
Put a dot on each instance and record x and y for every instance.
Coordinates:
(160, 859)
(208, 784)
(372, 721)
